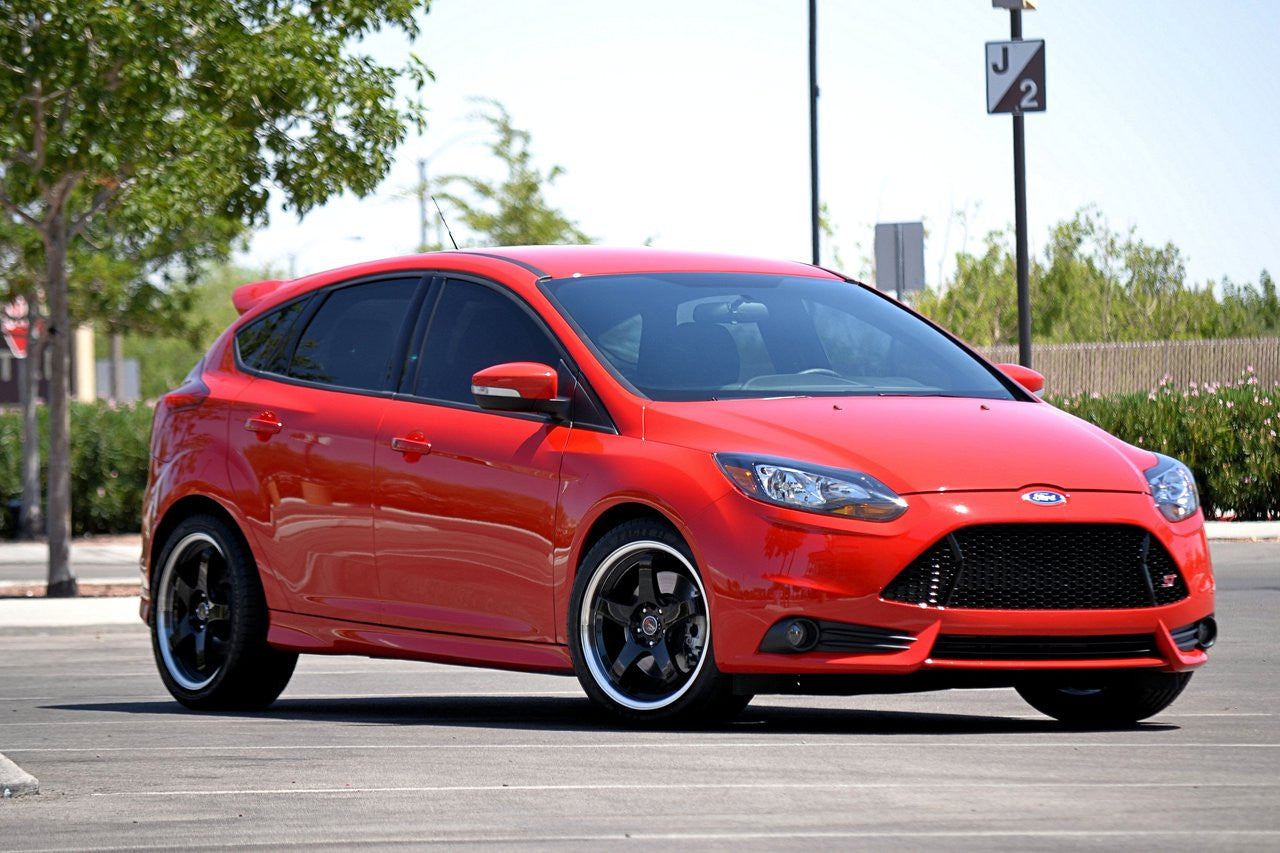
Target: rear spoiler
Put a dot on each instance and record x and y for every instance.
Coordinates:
(246, 296)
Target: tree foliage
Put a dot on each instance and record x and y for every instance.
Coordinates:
(512, 211)
(164, 359)
(167, 113)
(1095, 284)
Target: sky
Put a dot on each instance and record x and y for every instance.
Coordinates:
(686, 124)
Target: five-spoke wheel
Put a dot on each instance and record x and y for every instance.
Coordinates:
(209, 620)
(640, 628)
(193, 614)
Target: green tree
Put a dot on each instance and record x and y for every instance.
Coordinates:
(1095, 284)
(512, 211)
(181, 111)
(164, 359)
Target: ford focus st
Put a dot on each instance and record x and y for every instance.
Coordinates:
(686, 479)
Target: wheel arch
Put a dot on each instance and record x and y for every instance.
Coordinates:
(614, 516)
(180, 511)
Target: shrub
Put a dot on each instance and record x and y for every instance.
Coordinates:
(109, 452)
(1226, 434)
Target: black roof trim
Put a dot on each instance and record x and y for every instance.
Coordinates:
(539, 273)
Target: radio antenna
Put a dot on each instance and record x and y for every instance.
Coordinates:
(444, 221)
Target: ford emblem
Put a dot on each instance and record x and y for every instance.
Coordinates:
(1044, 497)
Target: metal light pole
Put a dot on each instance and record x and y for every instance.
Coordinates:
(813, 128)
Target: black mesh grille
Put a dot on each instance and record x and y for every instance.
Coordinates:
(1041, 567)
(1104, 647)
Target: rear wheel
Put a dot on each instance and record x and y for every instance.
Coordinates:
(209, 621)
(1116, 700)
(640, 629)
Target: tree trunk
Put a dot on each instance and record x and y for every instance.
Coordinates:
(31, 514)
(117, 368)
(61, 583)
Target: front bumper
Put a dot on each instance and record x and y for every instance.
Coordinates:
(767, 564)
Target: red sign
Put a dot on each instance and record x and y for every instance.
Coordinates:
(13, 323)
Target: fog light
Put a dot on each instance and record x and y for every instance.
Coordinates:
(797, 634)
(1207, 632)
(792, 635)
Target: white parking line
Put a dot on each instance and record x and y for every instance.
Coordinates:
(681, 745)
(671, 786)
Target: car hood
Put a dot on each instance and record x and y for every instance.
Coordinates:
(913, 444)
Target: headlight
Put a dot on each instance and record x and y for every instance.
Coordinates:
(1173, 488)
(814, 488)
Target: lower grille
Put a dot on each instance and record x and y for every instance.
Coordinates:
(1041, 567)
(843, 637)
(1102, 647)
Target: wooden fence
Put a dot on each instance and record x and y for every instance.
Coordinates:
(1117, 368)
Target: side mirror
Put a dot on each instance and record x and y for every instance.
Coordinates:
(1030, 379)
(519, 386)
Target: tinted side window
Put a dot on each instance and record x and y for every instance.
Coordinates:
(260, 344)
(475, 327)
(353, 336)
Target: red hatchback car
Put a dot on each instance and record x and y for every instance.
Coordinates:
(686, 478)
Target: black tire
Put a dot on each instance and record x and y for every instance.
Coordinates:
(209, 621)
(1118, 699)
(640, 630)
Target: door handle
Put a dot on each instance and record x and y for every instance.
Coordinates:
(265, 424)
(413, 444)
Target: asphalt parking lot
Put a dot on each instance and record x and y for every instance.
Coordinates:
(394, 753)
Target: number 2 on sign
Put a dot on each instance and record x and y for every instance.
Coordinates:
(1029, 92)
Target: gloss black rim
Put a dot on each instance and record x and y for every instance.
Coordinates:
(193, 611)
(644, 625)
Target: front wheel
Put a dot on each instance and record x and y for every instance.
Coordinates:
(1120, 699)
(209, 621)
(640, 629)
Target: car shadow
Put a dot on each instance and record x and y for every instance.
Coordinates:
(542, 713)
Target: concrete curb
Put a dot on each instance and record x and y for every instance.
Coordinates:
(1242, 531)
(16, 782)
(66, 612)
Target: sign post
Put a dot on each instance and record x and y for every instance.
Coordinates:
(899, 257)
(1015, 84)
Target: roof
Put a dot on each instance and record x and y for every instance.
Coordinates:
(567, 261)
(538, 261)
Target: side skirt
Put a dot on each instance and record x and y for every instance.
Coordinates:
(312, 635)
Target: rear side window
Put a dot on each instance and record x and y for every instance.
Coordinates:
(260, 344)
(353, 337)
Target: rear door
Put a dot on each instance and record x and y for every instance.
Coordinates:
(303, 433)
(465, 503)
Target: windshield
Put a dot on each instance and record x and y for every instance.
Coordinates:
(708, 336)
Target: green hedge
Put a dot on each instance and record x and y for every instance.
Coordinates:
(1227, 434)
(109, 449)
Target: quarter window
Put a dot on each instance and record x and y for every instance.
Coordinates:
(260, 344)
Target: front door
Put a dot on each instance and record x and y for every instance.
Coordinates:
(465, 499)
